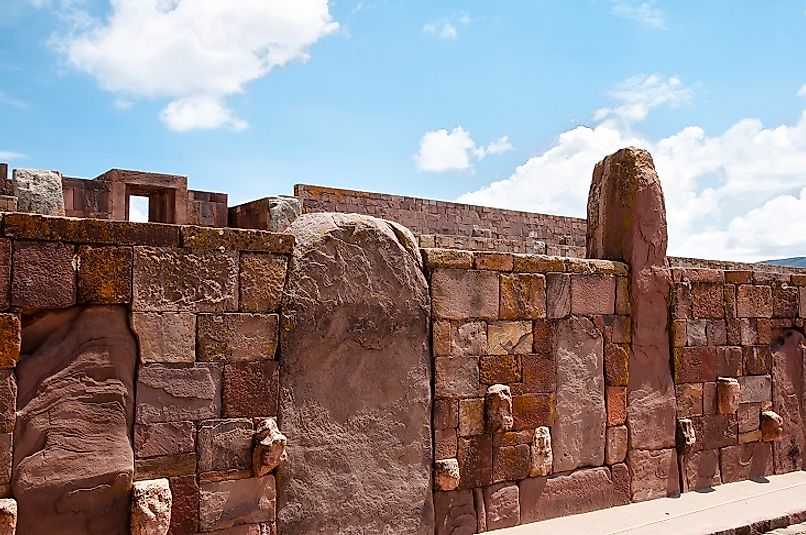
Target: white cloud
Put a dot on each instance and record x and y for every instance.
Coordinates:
(802, 92)
(447, 28)
(641, 94)
(7, 156)
(13, 102)
(442, 151)
(642, 12)
(194, 52)
(734, 195)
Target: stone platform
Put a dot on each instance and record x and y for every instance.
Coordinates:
(746, 507)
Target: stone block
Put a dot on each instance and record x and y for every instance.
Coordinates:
(446, 474)
(558, 295)
(695, 364)
(537, 263)
(151, 507)
(251, 240)
(729, 361)
(623, 305)
(468, 339)
(654, 474)
(456, 377)
(464, 294)
(509, 337)
(511, 463)
(543, 337)
(441, 334)
(756, 388)
(8, 400)
(446, 414)
(696, 333)
(10, 340)
(523, 296)
(172, 280)
(38, 191)
(593, 294)
(455, 513)
(475, 455)
(617, 365)
(748, 417)
(164, 439)
(471, 417)
(542, 456)
(747, 461)
(707, 300)
(616, 405)
(538, 373)
(226, 504)
(616, 449)
(445, 443)
(728, 393)
(709, 398)
(754, 301)
(167, 466)
(689, 400)
(43, 275)
(717, 333)
(784, 301)
(104, 275)
(224, 445)
(702, 470)
(251, 389)
(262, 278)
(498, 409)
(269, 449)
(5, 274)
(178, 394)
(236, 337)
(90, 231)
(447, 258)
(6, 461)
(500, 369)
(757, 360)
(185, 506)
(530, 411)
(750, 436)
(738, 276)
(167, 337)
(8, 516)
(494, 261)
(718, 431)
(502, 505)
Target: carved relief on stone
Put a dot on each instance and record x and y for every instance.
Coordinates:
(772, 426)
(498, 408)
(446, 474)
(542, 457)
(686, 437)
(151, 507)
(269, 447)
(728, 394)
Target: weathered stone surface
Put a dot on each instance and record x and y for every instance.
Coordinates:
(617, 365)
(500, 369)
(689, 400)
(251, 389)
(356, 312)
(224, 445)
(225, 504)
(654, 474)
(447, 258)
(151, 507)
(498, 409)
(578, 492)
(523, 296)
(686, 436)
(494, 261)
(171, 438)
(104, 275)
(43, 275)
(754, 301)
(756, 388)
(166, 337)
(511, 462)
(542, 458)
(702, 470)
(183, 464)
(5, 274)
(475, 456)
(718, 431)
(262, 278)
(38, 192)
(728, 393)
(469, 339)
(456, 377)
(747, 461)
(236, 337)
(772, 426)
(269, 447)
(579, 429)
(627, 222)
(8, 400)
(471, 416)
(695, 333)
(10, 340)
(748, 417)
(195, 280)
(185, 506)
(788, 355)
(538, 373)
(558, 295)
(616, 450)
(616, 405)
(446, 474)
(465, 294)
(502, 505)
(509, 338)
(283, 210)
(6, 459)
(8, 516)
(455, 513)
(167, 394)
(533, 410)
(593, 294)
(73, 459)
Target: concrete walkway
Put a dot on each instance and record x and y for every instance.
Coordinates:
(735, 506)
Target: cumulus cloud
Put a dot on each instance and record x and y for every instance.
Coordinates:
(194, 52)
(645, 13)
(639, 95)
(720, 189)
(442, 151)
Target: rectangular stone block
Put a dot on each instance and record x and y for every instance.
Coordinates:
(445, 443)
(10, 340)
(226, 504)
(494, 261)
(6, 458)
(754, 301)
(538, 373)
(593, 294)
(509, 337)
(784, 301)
(530, 411)
(558, 295)
(749, 415)
(702, 470)
(689, 400)
(716, 431)
(537, 263)
(623, 304)
(616, 448)
(446, 413)
(225, 445)
(455, 512)
(164, 439)
(696, 333)
(475, 455)
(502, 506)
(262, 278)
(523, 296)
(468, 339)
(456, 377)
(617, 364)
(695, 364)
(168, 466)
(755, 388)
(165, 337)
(8, 400)
(236, 337)
(260, 241)
(446, 258)
(654, 474)
(167, 394)
(5, 274)
(172, 280)
(441, 333)
(464, 294)
(757, 360)
(502, 369)
(43, 275)
(717, 333)
(471, 417)
(185, 505)
(747, 461)
(543, 338)
(104, 275)
(251, 389)
(616, 405)
(511, 463)
(707, 300)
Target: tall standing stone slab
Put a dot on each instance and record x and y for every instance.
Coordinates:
(355, 381)
(788, 364)
(39, 192)
(578, 436)
(73, 459)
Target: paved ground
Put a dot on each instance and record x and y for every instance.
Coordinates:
(728, 509)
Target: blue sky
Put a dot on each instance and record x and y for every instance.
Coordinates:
(507, 103)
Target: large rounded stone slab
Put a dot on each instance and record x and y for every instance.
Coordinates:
(73, 460)
(355, 381)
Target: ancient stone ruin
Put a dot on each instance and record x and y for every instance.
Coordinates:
(347, 362)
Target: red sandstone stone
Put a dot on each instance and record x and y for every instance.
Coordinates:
(717, 333)
(92, 231)
(471, 417)
(748, 417)
(696, 333)
(8, 400)
(447, 258)
(475, 456)
(250, 389)
(236, 337)
(738, 276)
(717, 431)
(167, 466)
(654, 474)
(617, 365)
(511, 463)
(494, 261)
(441, 338)
(523, 296)
(43, 275)
(535, 263)
(754, 301)
(445, 443)
(532, 410)
(166, 394)
(167, 337)
(757, 360)
(235, 238)
(593, 294)
(747, 461)
(707, 300)
(171, 438)
(224, 445)
(509, 337)
(262, 278)
(455, 513)
(10, 340)
(104, 275)
(689, 400)
(622, 296)
(185, 505)
(539, 374)
(225, 504)
(756, 388)
(456, 377)
(695, 364)
(616, 449)
(500, 369)
(464, 294)
(558, 295)
(543, 337)
(702, 469)
(446, 413)
(469, 339)
(788, 356)
(5, 274)
(502, 506)
(785, 301)
(616, 405)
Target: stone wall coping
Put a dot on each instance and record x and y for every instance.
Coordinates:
(435, 258)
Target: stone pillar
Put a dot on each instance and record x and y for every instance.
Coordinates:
(627, 223)
(789, 400)
(355, 381)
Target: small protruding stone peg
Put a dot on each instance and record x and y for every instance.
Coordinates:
(498, 406)
(446, 474)
(542, 457)
(686, 437)
(772, 426)
(728, 394)
(151, 507)
(269, 447)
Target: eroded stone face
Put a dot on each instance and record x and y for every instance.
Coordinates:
(542, 459)
(446, 474)
(151, 507)
(269, 449)
(498, 406)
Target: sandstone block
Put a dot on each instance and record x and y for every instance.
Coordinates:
(718, 431)
(446, 474)
(10, 340)
(748, 416)
(616, 449)
(702, 470)
(447, 258)
(469, 339)
(269, 447)
(224, 445)
(166, 337)
(788, 403)
(183, 464)
(579, 429)
(446, 414)
(500, 369)
(445, 445)
(543, 335)
(593, 294)
(8, 400)
(757, 360)
(654, 474)
(511, 463)
(6, 459)
(151, 507)
(616, 405)
(5, 274)
(456, 377)
(8, 516)
(772, 426)
(617, 365)
(502, 505)
(523, 296)
(236, 337)
(225, 504)
(471, 417)
(558, 295)
(251, 389)
(104, 275)
(463, 294)
(728, 393)
(747, 461)
(754, 301)
(441, 334)
(39, 192)
(542, 458)
(475, 461)
(178, 394)
(689, 400)
(696, 333)
(707, 300)
(494, 261)
(785, 301)
(509, 337)
(709, 398)
(530, 411)
(455, 513)
(89, 231)
(185, 504)
(538, 373)
(44, 276)
(195, 280)
(161, 439)
(498, 409)
(262, 277)
(756, 388)
(695, 364)
(252, 240)
(750, 436)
